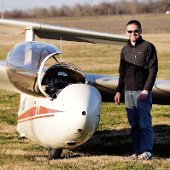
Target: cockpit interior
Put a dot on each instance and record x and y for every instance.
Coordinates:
(34, 68)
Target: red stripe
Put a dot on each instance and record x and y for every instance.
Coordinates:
(29, 113)
(36, 111)
(20, 121)
(44, 110)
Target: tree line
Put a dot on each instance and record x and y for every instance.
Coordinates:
(105, 8)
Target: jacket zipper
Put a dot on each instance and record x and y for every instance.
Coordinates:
(134, 61)
(134, 58)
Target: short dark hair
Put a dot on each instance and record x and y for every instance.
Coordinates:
(135, 22)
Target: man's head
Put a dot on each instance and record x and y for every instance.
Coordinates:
(133, 30)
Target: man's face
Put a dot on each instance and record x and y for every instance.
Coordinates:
(133, 32)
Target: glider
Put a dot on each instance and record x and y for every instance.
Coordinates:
(59, 103)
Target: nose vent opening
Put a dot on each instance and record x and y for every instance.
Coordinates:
(71, 143)
(83, 113)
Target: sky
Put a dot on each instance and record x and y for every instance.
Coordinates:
(27, 4)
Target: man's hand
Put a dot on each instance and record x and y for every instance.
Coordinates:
(117, 98)
(143, 95)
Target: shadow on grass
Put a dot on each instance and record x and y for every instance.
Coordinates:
(107, 142)
(118, 142)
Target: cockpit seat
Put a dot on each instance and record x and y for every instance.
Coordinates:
(55, 83)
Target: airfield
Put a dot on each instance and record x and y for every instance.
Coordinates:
(110, 147)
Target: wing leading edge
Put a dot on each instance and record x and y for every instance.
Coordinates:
(65, 33)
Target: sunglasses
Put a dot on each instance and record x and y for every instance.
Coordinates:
(135, 31)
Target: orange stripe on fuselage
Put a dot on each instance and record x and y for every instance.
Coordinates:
(44, 110)
(20, 121)
(36, 111)
(29, 113)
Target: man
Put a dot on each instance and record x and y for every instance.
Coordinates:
(138, 69)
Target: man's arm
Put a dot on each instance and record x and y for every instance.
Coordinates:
(152, 67)
(121, 85)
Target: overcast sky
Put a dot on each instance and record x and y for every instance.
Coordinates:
(26, 4)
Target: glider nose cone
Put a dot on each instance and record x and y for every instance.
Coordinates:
(79, 119)
(80, 98)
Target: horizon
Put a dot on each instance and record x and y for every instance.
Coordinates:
(19, 4)
(8, 5)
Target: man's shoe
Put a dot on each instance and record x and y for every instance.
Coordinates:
(134, 156)
(145, 156)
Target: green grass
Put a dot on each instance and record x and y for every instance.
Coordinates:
(9, 104)
(111, 145)
(107, 149)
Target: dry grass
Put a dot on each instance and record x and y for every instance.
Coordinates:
(110, 146)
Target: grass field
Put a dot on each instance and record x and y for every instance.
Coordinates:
(110, 147)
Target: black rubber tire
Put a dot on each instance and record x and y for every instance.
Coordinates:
(54, 153)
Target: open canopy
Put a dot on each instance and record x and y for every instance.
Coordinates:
(29, 55)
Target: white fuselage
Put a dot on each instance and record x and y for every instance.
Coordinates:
(65, 122)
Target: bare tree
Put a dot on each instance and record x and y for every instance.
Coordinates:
(117, 7)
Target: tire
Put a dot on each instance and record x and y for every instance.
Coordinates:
(54, 153)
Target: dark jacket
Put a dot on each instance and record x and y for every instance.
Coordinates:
(138, 66)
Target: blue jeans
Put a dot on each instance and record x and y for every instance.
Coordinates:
(140, 120)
